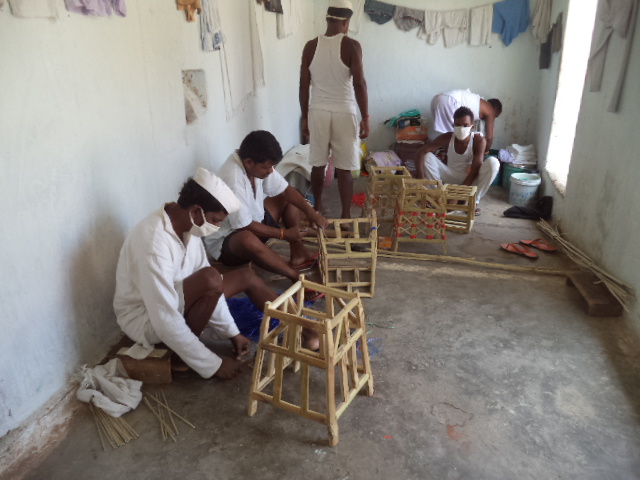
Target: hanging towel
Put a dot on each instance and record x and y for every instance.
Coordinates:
(455, 27)
(480, 25)
(97, 8)
(431, 27)
(556, 35)
(356, 18)
(288, 22)
(408, 18)
(34, 8)
(541, 21)
(241, 54)
(379, 12)
(274, 6)
(614, 17)
(510, 19)
(210, 28)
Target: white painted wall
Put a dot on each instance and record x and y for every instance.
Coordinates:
(601, 214)
(93, 138)
(405, 72)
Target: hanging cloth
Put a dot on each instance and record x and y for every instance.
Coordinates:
(379, 12)
(34, 8)
(481, 19)
(274, 6)
(431, 27)
(356, 18)
(97, 8)
(510, 19)
(455, 27)
(210, 28)
(289, 21)
(541, 22)
(407, 19)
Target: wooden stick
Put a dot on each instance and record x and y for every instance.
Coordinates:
(95, 419)
(467, 261)
(148, 404)
(175, 413)
(166, 405)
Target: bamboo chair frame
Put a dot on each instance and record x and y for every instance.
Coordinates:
(467, 195)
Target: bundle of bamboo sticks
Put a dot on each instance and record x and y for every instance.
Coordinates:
(618, 288)
(116, 431)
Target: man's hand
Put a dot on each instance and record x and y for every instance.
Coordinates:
(364, 127)
(318, 220)
(295, 234)
(305, 129)
(240, 345)
(229, 369)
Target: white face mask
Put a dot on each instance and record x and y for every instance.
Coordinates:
(205, 229)
(462, 132)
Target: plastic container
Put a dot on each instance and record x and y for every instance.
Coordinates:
(509, 169)
(523, 188)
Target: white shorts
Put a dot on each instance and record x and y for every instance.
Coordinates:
(335, 132)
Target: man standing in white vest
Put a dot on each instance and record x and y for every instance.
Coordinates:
(332, 66)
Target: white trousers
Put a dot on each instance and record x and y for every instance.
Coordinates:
(336, 133)
(434, 169)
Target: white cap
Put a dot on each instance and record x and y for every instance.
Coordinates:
(341, 4)
(218, 189)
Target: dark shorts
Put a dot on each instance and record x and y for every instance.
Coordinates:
(229, 258)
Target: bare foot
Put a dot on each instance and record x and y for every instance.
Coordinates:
(310, 340)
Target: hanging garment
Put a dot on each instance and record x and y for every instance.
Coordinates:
(34, 8)
(556, 35)
(274, 6)
(210, 28)
(407, 19)
(290, 20)
(356, 18)
(541, 21)
(544, 62)
(455, 27)
(510, 19)
(431, 27)
(614, 17)
(242, 60)
(97, 8)
(480, 25)
(379, 12)
(190, 7)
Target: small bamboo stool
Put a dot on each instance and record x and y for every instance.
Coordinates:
(339, 327)
(466, 194)
(421, 213)
(383, 190)
(348, 259)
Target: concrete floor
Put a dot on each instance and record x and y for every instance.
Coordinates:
(486, 374)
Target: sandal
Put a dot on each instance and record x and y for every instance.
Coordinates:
(313, 295)
(540, 244)
(519, 249)
(307, 264)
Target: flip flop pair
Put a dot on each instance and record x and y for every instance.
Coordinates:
(519, 249)
(313, 295)
(308, 263)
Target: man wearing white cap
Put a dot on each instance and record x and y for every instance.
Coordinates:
(332, 66)
(167, 292)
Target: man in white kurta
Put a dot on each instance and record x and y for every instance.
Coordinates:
(167, 292)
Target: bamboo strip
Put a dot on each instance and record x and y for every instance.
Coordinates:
(155, 414)
(95, 419)
(468, 261)
(166, 405)
(177, 414)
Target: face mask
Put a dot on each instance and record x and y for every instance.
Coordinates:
(205, 229)
(462, 132)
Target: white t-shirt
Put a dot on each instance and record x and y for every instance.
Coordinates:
(252, 206)
(147, 304)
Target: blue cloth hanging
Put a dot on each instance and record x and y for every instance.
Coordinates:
(510, 19)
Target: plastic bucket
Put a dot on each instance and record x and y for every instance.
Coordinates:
(509, 169)
(523, 188)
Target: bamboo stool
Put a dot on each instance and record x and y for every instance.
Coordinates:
(421, 213)
(339, 326)
(383, 190)
(348, 257)
(466, 194)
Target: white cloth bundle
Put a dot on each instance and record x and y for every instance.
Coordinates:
(109, 387)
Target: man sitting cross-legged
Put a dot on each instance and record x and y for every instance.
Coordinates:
(166, 290)
(268, 205)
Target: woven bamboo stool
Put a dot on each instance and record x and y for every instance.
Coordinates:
(464, 197)
(340, 327)
(421, 213)
(348, 256)
(383, 190)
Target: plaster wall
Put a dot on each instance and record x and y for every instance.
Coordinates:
(405, 72)
(92, 138)
(601, 213)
